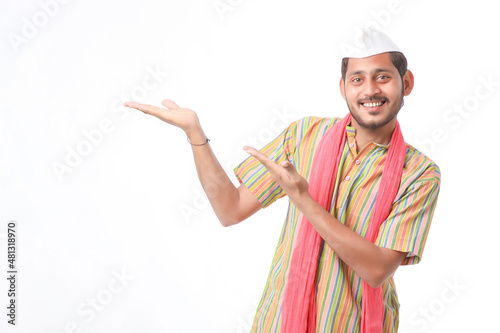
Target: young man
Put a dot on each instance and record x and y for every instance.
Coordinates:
(361, 200)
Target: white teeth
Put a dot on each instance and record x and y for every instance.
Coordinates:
(372, 105)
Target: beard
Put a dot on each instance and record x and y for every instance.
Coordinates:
(373, 125)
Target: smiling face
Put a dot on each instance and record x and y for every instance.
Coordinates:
(374, 90)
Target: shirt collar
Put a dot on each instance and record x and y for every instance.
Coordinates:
(351, 132)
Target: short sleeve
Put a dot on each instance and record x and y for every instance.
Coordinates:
(255, 176)
(408, 224)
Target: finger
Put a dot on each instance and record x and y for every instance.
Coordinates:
(146, 108)
(169, 104)
(264, 159)
(257, 154)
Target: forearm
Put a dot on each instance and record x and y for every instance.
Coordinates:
(221, 192)
(224, 197)
(371, 262)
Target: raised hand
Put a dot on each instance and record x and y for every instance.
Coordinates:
(185, 119)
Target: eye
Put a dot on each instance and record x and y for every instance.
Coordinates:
(356, 80)
(383, 77)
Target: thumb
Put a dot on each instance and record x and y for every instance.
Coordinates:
(169, 104)
(290, 171)
(287, 165)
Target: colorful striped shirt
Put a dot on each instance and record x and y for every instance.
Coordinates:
(339, 291)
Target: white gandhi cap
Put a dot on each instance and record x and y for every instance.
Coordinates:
(374, 42)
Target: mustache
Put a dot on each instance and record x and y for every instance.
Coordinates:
(373, 99)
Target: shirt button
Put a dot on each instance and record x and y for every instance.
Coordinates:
(351, 145)
(358, 162)
(347, 178)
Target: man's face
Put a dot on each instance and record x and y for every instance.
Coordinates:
(374, 91)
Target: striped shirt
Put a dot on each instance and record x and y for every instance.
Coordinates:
(339, 291)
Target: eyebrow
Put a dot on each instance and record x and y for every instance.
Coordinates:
(377, 70)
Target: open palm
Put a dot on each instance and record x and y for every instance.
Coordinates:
(186, 119)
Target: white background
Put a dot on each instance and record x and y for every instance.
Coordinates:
(132, 206)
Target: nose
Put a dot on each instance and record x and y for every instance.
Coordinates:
(371, 87)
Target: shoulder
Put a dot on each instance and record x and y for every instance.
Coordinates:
(421, 166)
(312, 126)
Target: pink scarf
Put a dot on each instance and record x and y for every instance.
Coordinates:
(298, 312)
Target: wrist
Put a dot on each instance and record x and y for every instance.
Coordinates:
(196, 135)
(306, 204)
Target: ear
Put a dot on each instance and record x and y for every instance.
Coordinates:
(408, 82)
(342, 87)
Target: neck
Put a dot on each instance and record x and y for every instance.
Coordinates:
(381, 135)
